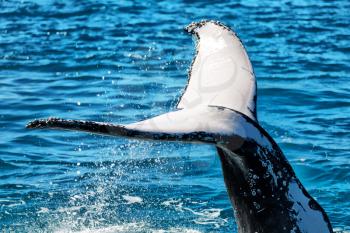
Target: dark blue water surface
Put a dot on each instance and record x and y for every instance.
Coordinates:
(121, 61)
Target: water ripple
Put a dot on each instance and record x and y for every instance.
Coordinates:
(124, 61)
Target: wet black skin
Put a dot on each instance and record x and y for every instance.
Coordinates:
(260, 204)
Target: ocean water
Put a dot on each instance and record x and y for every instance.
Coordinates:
(123, 61)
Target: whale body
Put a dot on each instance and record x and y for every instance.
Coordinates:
(218, 107)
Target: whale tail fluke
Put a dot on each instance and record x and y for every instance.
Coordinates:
(218, 107)
(128, 131)
(221, 77)
(186, 125)
(181, 125)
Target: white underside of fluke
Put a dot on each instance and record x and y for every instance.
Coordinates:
(216, 121)
(221, 73)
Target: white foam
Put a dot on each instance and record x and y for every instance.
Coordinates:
(43, 210)
(132, 199)
(135, 227)
(205, 216)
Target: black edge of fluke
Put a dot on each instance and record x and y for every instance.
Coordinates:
(41, 123)
(194, 25)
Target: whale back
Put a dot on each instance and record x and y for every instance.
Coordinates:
(221, 73)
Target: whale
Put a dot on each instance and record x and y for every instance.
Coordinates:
(218, 107)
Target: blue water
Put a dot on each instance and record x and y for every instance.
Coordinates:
(120, 61)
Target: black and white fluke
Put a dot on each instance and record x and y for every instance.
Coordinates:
(218, 107)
